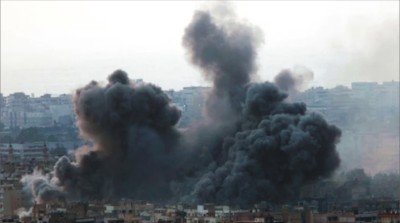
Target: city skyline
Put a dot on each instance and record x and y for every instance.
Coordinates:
(353, 109)
(71, 93)
(56, 51)
(284, 111)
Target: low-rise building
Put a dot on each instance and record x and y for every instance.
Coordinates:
(389, 217)
(10, 200)
(334, 218)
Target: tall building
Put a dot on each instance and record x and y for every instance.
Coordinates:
(190, 100)
(19, 152)
(22, 111)
(367, 114)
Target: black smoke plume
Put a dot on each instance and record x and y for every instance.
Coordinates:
(132, 135)
(252, 145)
(267, 148)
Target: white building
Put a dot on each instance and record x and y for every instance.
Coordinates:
(25, 151)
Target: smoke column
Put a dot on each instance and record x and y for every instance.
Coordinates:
(275, 147)
(252, 146)
(226, 54)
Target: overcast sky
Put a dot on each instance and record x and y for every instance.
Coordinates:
(57, 46)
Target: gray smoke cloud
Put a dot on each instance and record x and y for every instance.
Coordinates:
(226, 54)
(40, 188)
(252, 145)
(293, 81)
(270, 148)
(277, 149)
(132, 135)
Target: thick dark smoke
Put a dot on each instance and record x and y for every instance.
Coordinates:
(226, 54)
(277, 149)
(131, 129)
(252, 145)
(270, 148)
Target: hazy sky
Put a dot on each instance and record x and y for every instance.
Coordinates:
(57, 46)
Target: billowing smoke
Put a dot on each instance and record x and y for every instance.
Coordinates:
(41, 188)
(252, 145)
(132, 135)
(226, 54)
(132, 131)
(292, 81)
(271, 148)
